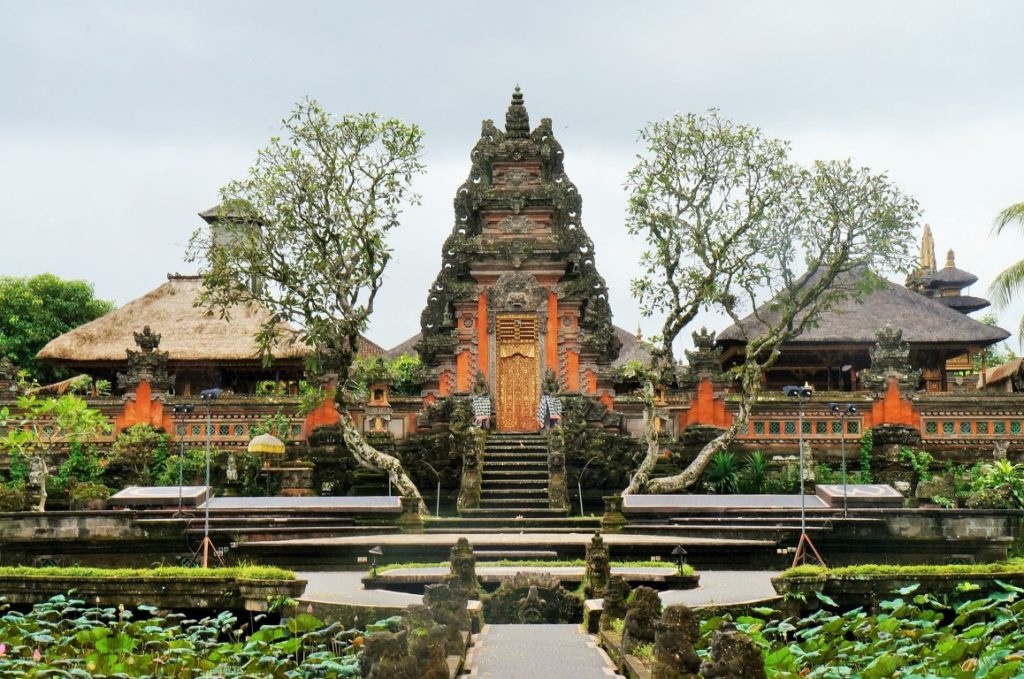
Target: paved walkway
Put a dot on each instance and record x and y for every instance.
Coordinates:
(716, 587)
(724, 587)
(537, 651)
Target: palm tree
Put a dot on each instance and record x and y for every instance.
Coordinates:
(1010, 282)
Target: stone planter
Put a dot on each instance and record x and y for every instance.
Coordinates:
(868, 590)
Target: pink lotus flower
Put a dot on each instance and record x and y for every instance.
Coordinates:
(36, 655)
(3, 650)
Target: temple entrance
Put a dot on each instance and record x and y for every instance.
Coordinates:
(518, 373)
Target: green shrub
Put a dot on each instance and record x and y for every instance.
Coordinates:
(723, 473)
(754, 476)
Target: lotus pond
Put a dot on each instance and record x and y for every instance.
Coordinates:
(920, 635)
(64, 637)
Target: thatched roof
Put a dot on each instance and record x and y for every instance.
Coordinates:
(1001, 373)
(188, 332)
(922, 319)
(633, 348)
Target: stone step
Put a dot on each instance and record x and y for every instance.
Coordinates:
(513, 512)
(498, 493)
(513, 503)
(516, 464)
(529, 482)
(516, 471)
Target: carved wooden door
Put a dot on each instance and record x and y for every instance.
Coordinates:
(518, 382)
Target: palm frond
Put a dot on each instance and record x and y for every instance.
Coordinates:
(1007, 285)
(1011, 215)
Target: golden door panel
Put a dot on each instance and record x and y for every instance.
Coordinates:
(518, 379)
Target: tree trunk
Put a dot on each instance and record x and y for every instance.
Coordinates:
(370, 457)
(641, 477)
(640, 483)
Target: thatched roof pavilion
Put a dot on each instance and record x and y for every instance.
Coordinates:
(204, 349)
(830, 354)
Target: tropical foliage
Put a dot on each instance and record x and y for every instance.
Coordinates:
(729, 221)
(304, 235)
(37, 309)
(39, 425)
(1009, 284)
(65, 637)
(913, 635)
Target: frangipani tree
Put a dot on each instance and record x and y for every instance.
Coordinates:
(308, 241)
(41, 426)
(729, 221)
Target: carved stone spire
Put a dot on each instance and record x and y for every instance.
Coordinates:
(517, 120)
(951, 259)
(927, 249)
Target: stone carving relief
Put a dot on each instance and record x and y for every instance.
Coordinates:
(516, 292)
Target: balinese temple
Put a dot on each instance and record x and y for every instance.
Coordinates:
(518, 293)
(203, 350)
(930, 310)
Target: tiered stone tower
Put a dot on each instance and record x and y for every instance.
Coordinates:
(518, 292)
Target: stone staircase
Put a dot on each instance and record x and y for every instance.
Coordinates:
(515, 478)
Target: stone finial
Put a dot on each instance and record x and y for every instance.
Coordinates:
(517, 120)
(147, 340)
(890, 357)
(733, 656)
(641, 614)
(675, 633)
(704, 361)
(149, 364)
(927, 249)
(447, 606)
(463, 566)
(598, 567)
(616, 591)
(950, 259)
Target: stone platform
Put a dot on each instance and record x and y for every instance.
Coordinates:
(414, 580)
(313, 554)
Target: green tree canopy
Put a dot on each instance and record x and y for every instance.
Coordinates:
(36, 309)
(730, 222)
(304, 236)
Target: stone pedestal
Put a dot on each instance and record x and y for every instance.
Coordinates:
(613, 519)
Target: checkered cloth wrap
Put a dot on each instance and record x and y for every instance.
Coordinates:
(481, 406)
(548, 407)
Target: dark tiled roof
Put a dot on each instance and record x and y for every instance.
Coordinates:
(952, 277)
(922, 319)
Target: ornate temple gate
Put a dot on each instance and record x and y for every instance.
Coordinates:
(518, 372)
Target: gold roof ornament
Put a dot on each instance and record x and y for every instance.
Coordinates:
(927, 249)
(267, 444)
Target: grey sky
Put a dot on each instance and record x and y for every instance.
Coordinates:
(120, 120)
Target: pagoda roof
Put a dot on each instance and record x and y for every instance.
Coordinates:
(188, 332)
(924, 320)
(951, 277)
(965, 304)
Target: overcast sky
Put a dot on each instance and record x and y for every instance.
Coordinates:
(120, 120)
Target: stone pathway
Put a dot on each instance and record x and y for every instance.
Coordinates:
(535, 652)
(716, 587)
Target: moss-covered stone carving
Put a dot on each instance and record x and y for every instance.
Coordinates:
(599, 567)
(532, 598)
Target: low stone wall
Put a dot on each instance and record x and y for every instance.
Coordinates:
(170, 593)
(91, 525)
